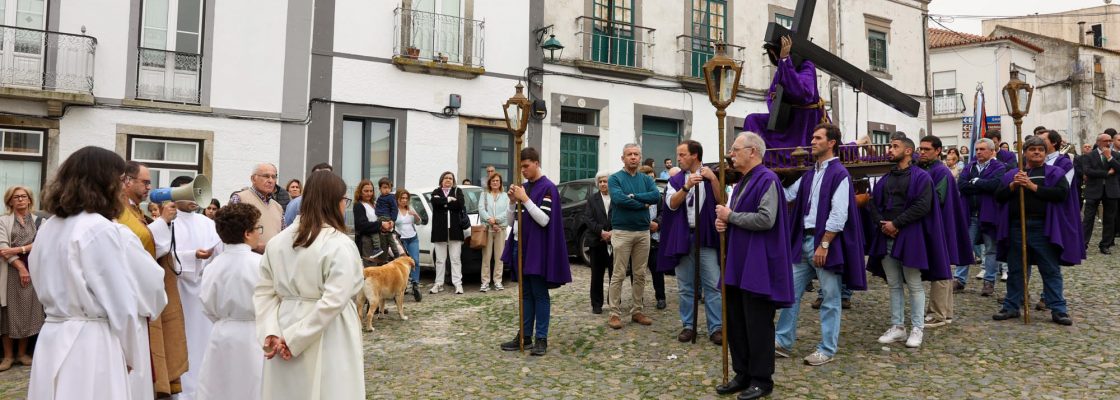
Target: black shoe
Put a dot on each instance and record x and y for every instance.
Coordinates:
(732, 386)
(846, 304)
(817, 303)
(540, 347)
(1005, 314)
(754, 392)
(1105, 250)
(514, 345)
(1061, 318)
(661, 304)
(596, 309)
(416, 295)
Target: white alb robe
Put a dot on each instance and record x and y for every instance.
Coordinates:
(231, 368)
(193, 231)
(305, 296)
(98, 287)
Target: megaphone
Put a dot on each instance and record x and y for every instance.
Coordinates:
(197, 191)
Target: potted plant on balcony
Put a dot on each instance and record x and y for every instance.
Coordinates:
(443, 58)
(412, 52)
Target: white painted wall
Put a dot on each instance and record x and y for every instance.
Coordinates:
(248, 57)
(106, 20)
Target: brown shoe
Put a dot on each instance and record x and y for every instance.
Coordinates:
(988, 289)
(641, 319)
(717, 337)
(686, 335)
(817, 303)
(25, 360)
(845, 303)
(6, 364)
(615, 322)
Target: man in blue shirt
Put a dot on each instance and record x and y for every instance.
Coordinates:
(292, 210)
(631, 195)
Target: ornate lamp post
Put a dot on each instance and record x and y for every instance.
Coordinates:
(721, 75)
(517, 110)
(1017, 98)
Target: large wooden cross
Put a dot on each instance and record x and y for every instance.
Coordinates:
(804, 49)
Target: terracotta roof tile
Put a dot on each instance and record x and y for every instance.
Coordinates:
(940, 38)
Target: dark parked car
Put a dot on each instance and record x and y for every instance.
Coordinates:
(573, 198)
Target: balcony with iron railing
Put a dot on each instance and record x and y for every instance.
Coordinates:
(614, 48)
(948, 104)
(693, 52)
(438, 44)
(168, 76)
(46, 66)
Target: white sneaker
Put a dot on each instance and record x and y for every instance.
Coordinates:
(484, 288)
(1003, 278)
(915, 339)
(817, 359)
(981, 274)
(458, 289)
(436, 289)
(897, 333)
(498, 286)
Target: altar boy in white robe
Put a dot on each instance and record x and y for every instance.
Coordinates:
(97, 284)
(232, 366)
(195, 243)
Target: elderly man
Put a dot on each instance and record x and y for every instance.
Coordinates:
(758, 273)
(1101, 187)
(631, 195)
(978, 183)
(260, 196)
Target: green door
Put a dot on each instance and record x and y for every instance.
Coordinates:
(660, 137)
(612, 40)
(579, 156)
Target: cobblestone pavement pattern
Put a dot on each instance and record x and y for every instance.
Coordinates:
(449, 349)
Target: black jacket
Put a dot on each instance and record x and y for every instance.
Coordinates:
(1098, 183)
(597, 218)
(443, 212)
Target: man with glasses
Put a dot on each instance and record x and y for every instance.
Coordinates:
(259, 195)
(954, 225)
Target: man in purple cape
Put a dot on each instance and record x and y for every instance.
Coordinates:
(758, 268)
(682, 226)
(1056, 158)
(1052, 231)
(545, 259)
(908, 245)
(978, 183)
(1004, 156)
(939, 309)
(826, 242)
(800, 88)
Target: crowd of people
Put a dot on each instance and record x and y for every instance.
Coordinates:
(253, 299)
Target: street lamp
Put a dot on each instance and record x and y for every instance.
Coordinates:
(721, 76)
(552, 45)
(1017, 98)
(516, 110)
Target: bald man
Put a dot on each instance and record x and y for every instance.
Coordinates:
(1101, 187)
(259, 195)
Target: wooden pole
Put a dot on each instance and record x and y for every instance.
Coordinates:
(517, 142)
(1023, 220)
(697, 283)
(721, 115)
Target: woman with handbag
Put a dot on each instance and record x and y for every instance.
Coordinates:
(447, 231)
(492, 216)
(365, 221)
(22, 314)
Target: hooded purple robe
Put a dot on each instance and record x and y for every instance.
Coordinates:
(955, 220)
(546, 252)
(800, 85)
(674, 243)
(988, 212)
(759, 262)
(845, 252)
(1063, 222)
(920, 245)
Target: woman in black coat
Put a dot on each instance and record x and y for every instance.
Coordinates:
(447, 231)
(365, 220)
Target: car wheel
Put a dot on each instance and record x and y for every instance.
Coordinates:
(583, 253)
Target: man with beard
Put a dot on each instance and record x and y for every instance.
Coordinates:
(954, 225)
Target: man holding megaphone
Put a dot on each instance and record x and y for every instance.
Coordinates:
(192, 240)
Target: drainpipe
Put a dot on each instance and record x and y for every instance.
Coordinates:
(928, 77)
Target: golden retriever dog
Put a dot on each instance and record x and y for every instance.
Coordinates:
(382, 283)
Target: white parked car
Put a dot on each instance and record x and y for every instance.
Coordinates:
(422, 203)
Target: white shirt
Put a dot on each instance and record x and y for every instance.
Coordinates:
(231, 367)
(694, 197)
(1052, 158)
(839, 215)
(405, 225)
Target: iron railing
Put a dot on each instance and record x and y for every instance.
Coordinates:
(169, 76)
(46, 60)
(422, 35)
(615, 43)
(948, 104)
(695, 51)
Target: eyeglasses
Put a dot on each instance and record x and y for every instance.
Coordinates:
(146, 182)
(20, 197)
(259, 229)
(348, 201)
(734, 149)
(267, 176)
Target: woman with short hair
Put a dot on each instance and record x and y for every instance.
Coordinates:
(492, 212)
(21, 315)
(447, 231)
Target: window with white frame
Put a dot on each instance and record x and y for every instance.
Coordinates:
(166, 159)
(170, 53)
(22, 157)
(21, 42)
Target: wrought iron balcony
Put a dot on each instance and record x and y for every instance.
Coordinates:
(439, 38)
(169, 76)
(947, 104)
(695, 51)
(613, 43)
(45, 60)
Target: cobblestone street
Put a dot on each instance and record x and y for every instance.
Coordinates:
(449, 349)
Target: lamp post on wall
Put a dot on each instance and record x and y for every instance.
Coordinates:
(516, 111)
(1017, 98)
(721, 76)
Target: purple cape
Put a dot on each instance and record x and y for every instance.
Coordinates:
(955, 226)
(1074, 198)
(920, 245)
(800, 86)
(545, 251)
(1007, 158)
(759, 261)
(674, 242)
(1063, 222)
(988, 207)
(845, 252)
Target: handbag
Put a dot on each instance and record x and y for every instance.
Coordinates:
(478, 236)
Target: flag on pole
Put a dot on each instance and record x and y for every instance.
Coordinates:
(979, 119)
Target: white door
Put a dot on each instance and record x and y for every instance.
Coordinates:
(438, 30)
(170, 55)
(21, 50)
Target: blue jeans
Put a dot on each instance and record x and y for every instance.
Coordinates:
(709, 278)
(537, 304)
(412, 246)
(831, 282)
(845, 293)
(897, 275)
(1039, 251)
(987, 249)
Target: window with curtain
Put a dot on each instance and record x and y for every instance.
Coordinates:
(22, 156)
(170, 54)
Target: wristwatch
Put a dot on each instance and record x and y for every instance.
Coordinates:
(824, 245)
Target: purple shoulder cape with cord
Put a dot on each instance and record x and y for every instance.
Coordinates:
(989, 208)
(674, 243)
(920, 245)
(1063, 222)
(845, 252)
(955, 220)
(544, 247)
(759, 261)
